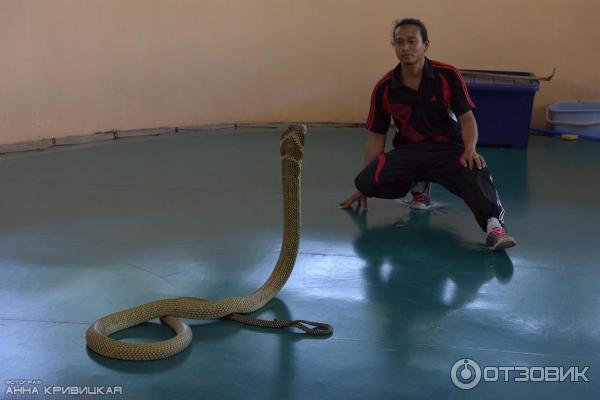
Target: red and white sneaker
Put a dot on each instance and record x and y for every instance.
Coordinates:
(421, 200)
(497, 239)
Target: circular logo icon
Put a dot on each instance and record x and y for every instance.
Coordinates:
(465, 373)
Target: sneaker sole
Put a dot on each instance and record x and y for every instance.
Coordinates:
(504, 243)
(419, 206)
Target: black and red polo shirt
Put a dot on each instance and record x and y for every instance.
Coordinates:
(427, 114)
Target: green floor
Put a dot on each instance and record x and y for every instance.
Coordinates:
(91, 230)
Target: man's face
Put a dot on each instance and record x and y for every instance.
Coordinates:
(409, 45)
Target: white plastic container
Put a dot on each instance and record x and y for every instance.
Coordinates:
(579, 118)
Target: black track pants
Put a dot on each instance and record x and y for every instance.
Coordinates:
(392, 174)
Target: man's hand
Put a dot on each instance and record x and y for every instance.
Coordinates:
(354, 198)
(470, 158)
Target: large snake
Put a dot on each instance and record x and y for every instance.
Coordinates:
(169, 310)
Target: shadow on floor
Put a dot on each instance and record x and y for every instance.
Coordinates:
(416, 273)
(208, 335)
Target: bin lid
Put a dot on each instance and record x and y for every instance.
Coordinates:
(502, 84)
(575, 106)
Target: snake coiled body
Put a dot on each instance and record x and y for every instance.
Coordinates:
(169, 310)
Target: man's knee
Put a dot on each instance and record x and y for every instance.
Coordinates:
(475, 176)
(364, 183)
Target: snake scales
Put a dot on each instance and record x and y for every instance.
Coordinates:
(169, 310)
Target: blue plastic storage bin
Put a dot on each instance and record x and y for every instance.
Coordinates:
(503, 107)
(580, 118)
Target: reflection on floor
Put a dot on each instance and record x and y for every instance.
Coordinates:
(95, 229)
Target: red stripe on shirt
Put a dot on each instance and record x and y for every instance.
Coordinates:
(460, 77)
(373, 95)
(446, 91)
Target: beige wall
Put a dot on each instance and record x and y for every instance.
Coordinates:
(72, 67)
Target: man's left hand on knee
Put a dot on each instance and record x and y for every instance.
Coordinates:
(470, 159)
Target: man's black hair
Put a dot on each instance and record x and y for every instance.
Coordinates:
(411, 21)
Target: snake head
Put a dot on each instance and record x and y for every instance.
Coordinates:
(292, 142)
